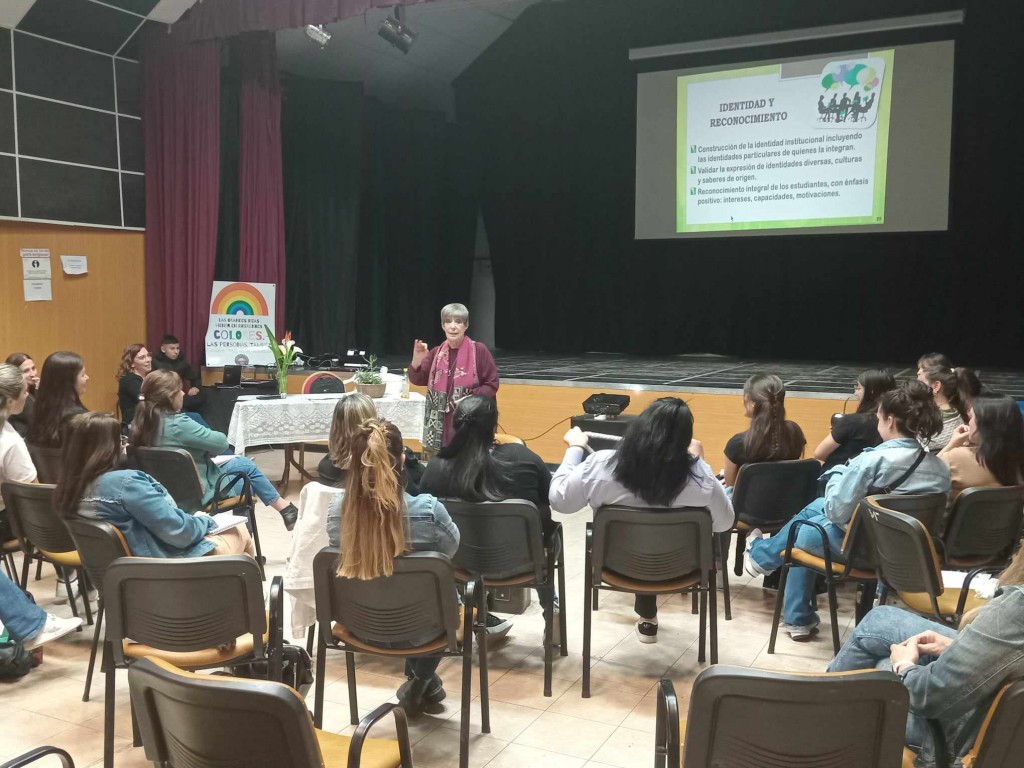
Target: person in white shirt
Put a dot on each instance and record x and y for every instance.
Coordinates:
(15, 463)
(657, 464)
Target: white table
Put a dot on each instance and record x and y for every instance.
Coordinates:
(307, 418)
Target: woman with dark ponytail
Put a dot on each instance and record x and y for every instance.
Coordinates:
(374, 522)
(770, 436)
(853, 433)
(907, 418)
(952, 388)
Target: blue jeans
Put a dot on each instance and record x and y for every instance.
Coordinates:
(868, 648)
(261, 486)
(799, 604)
(21, 616)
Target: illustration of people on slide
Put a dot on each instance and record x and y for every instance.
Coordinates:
(853, 86)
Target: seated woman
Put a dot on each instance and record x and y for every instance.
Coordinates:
(159, 423)
(989, 449)
(907, 416)
(21, 421)
(952, 677)
(15, 462)
(375, 522)
(652, 467)
(852, 433)
(770, 436)
(58, 398)
(94, 486)
(472, 468)
(136, 363)
(947, 385)
(349, 414)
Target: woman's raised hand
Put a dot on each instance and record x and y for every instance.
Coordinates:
(960, 436)
(419, 352)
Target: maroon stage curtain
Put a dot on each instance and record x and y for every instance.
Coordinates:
(260, 181)
(226, 18)
(181, 124)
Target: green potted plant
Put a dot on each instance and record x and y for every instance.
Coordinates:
(368, 380)
(284, 354)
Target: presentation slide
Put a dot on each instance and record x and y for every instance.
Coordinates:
(780, 146)
(843, 142)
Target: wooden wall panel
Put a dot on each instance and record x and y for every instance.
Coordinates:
(95, 315)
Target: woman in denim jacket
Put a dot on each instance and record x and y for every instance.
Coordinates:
(952, 677)
(94, 486)
(374, 521)
(906, 416)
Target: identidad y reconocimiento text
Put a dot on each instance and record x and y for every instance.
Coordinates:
(740, 106)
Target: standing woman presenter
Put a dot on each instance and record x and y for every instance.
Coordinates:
(450, 371)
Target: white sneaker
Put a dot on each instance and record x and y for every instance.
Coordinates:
(62, 592)
(749, 564)
(801, 634)
(53, 628)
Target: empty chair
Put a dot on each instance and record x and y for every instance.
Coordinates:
(502, 543)
(655, 552)
(908, 565)
(196, 613)
(389, 616)
(753, 717)
(184, 719)
(984, 527)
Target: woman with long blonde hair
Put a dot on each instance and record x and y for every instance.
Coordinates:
(375, 521)
(952, 676)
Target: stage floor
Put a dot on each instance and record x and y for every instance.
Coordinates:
(709, 373)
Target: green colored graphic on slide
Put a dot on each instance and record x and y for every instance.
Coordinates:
(859, 78)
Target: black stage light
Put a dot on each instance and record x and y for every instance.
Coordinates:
(396, 31)
(605, 405)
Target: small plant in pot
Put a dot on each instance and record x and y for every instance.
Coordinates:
(369, 381)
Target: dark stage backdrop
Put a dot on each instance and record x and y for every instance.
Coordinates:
(552, 109)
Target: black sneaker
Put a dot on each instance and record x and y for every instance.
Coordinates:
(646, 631)
(416, 696)
(289, 515)
(497, 627)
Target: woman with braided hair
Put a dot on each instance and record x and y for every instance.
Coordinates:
(907, 418)
(770, 436)
(374, 521)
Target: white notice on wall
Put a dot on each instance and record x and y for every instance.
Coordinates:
(38, 290)
(35, 263)
(74, 265)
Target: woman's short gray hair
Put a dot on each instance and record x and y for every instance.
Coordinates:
(12, 381)
(456, 312)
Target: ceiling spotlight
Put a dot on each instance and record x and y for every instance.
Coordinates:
(318, 34)
(396, 31)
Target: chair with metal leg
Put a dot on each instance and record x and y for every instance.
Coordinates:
(651, 551)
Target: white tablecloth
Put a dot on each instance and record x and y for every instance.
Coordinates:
(306, 418)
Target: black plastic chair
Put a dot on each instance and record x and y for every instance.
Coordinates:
(47, 462)
(176, 471)
(908, 565)
(371, 616)
(650, 551)
(195, 613)
(37, 754)
(751, 717)
(1000, 742)
(858, 566)
(927, 508)
(502, 543)
(99, 544)
(184, 719)
(766, 496)
(44, 536)
(984, 527)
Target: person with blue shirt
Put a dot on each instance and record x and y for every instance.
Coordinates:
(94, 486)
(907, 417)
(160, 423)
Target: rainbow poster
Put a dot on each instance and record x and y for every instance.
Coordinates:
(238, 312)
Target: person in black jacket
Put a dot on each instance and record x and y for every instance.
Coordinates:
(169, 359)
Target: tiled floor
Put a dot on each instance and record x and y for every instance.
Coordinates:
(615, 727)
